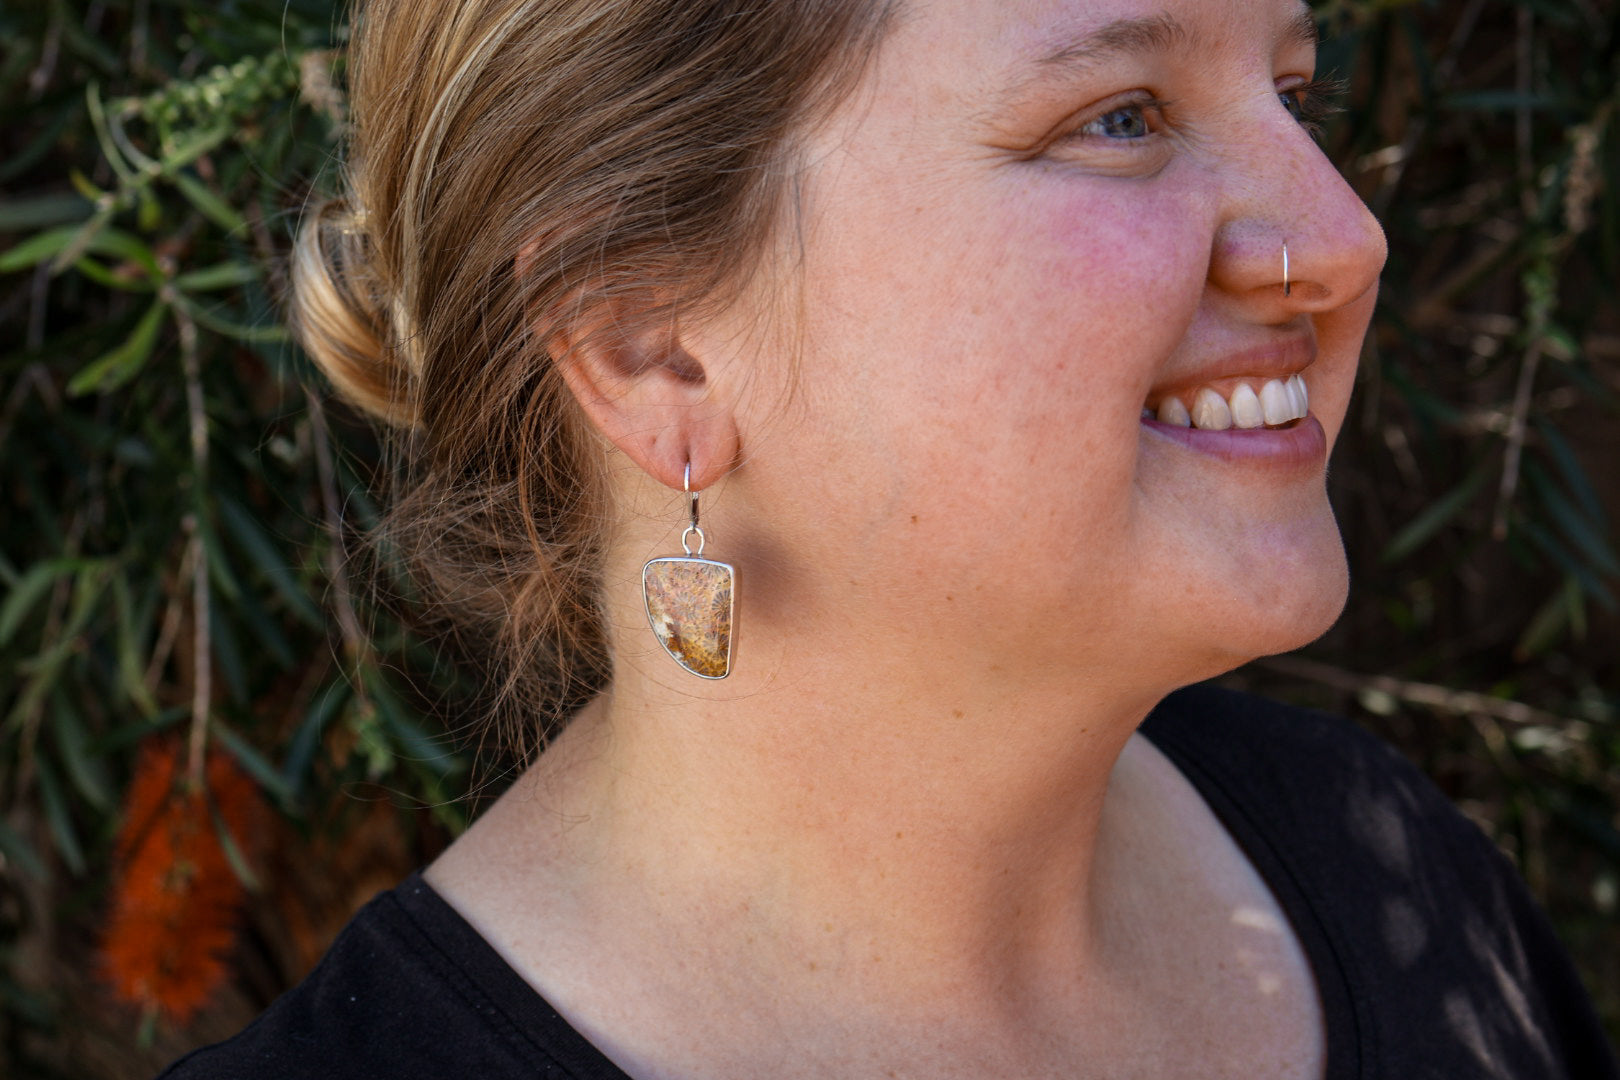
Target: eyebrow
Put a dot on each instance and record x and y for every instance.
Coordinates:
(1153, 33)
(1302, 30)
(1156, 33)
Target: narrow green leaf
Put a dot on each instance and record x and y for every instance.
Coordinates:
(410, 741)
(233, 851)
(90, 237)
(59, 818)
(254, 763)
(87, 773)
(109, 146)
(1550, 621)
(219, 568)
(228, 654)
(301, 749)
(269, 561)
(210, 205)
(1566, 561)
(148, 211)
(1588, 538)
(81, 183)
(116, 367)
(122, 245)
(1574, 474)
(1421, 529)
(29, 590)
(219, 276)
(44, 670)
(264, 332)
(37, 248)
(185, 151)
(129, 734)
(83, 239)
(88, 587)
(18, 215)
(129, 646)
(110, 279)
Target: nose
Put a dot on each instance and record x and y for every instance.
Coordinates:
(1283, 190)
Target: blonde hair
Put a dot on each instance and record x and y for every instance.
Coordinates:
(512, 166)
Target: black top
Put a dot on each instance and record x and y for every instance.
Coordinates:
(1432, 961)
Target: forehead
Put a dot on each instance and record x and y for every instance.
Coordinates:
(999, 45)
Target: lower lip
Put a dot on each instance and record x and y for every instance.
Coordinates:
(1304, 444)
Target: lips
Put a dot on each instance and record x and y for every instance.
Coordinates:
(1251, 406)
(1301, 444)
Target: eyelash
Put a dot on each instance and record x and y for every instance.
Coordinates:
(1312, 103)
(1315, 101)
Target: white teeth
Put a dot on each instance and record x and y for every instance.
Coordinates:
(1302, 399)
(1245, 406)
(1210, 411)
(1276, 402)
(1280, 401)
(1172, 411)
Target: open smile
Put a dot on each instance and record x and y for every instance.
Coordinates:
(1279, 403)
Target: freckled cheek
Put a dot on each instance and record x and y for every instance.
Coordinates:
(1128, 262)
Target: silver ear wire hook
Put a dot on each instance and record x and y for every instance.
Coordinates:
(692, 511)
(1288, 286)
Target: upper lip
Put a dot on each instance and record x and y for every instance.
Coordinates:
(1277, 359)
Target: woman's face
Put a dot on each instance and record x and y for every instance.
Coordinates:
(1034, 220)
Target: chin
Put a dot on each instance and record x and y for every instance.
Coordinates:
(1296, 623)
(1300, 608)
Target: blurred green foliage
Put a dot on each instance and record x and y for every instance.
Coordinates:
(1476, 479)
(180, 508)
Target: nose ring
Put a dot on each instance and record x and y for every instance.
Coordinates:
(1288, 286)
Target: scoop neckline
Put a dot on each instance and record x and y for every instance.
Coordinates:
(1328, 959)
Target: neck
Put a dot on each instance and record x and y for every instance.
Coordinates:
(955, 821)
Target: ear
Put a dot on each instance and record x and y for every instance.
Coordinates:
(651, 398)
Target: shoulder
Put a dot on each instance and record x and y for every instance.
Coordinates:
(387, 1001)
(1347, 815)
(1427, 920)
(1317, 782)
(1232, 727)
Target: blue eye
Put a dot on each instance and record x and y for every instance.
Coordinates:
(1125, 122)
(1312, 103)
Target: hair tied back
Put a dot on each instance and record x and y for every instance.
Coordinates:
(342, 315)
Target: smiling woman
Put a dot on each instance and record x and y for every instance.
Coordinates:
(1005, 344)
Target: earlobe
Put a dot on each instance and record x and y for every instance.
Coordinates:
(650, 397)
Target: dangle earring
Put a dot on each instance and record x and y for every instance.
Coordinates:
(690, 601)
(1288, 286)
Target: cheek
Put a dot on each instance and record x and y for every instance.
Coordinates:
(1111, 271)
(1097, 287)
(1003, 334)
(1125, 248)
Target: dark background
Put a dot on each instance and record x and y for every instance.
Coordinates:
(218, 736)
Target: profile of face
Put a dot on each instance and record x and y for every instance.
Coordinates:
(1032, 226)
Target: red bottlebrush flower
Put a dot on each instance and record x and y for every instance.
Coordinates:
(175, 901)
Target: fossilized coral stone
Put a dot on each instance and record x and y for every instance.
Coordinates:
(689, 609)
